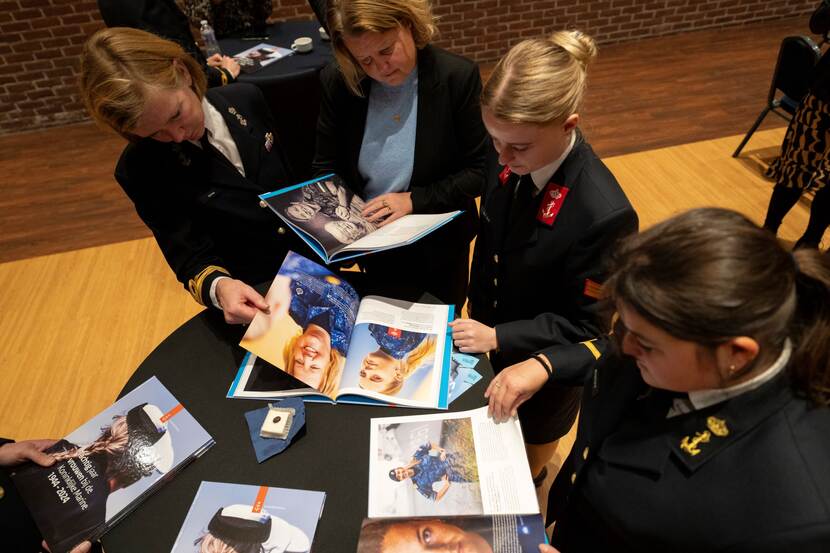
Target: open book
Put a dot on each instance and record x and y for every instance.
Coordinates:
(448, 464)
(327, 216)
(255, 58)
(375, 350)
(109, 465)
(476, 534)
(239, 517)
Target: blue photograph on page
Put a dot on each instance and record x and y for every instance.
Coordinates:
(253, 518)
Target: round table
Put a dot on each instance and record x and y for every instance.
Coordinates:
(197, 364)
(291, 87)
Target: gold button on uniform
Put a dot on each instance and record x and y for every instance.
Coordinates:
(2, 492)
(585, 452)
(495, 258)
(573, 477)
(495, 303)
(495, 282)
(281, 230)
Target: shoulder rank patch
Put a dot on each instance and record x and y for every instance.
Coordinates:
(592, 289)
(551, 203)
(692, 445)
(717, 426)
(504, 175)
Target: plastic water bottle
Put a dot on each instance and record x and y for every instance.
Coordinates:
(209, 39)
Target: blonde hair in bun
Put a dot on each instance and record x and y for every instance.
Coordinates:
(541, 80)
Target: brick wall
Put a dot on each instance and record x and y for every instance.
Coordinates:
(40, 39)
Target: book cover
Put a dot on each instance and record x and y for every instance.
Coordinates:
(374, 350)
(109, 464)
(470, 534)
(239, 517)
(327, 215)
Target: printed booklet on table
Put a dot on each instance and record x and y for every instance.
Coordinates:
(448, 464)
(105, 468)
(262, 55)
(471, 534)
(251, 518)
(372, 351)
(326, 214)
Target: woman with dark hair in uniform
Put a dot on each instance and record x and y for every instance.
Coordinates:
(551, 215)
(709, 430)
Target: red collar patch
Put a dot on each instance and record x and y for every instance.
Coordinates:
(504, 175)
(551, 203)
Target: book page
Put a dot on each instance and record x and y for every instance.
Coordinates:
(325, 209)
(398, 352)
(448, 464)
(403, 231)
(307, 329)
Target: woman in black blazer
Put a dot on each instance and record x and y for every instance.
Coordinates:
(550, 214)
(711, 432)
(195, 165)
(400, 122)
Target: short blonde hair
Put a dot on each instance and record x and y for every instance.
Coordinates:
(540, 80)
(334, 369)
(119, 64)
(410, 363)
(355, 17)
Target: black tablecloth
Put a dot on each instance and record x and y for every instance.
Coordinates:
(291, 86)
(197, 364)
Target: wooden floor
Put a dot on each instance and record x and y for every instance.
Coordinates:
(76, 324)
(59, 194)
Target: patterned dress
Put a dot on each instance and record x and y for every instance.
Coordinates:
(395, 342)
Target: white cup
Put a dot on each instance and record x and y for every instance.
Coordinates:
(302, 45)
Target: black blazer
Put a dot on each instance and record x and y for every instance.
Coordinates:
(760, 485)
(201, 210)
(450, 139)
(20, 534)
(535, 282)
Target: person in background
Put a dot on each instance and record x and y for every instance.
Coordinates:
(709, 430)
(804, 163)
(551, 215)
(195, 165)
(230, 17)
(400, 123)
(165, 19)
(19, 531)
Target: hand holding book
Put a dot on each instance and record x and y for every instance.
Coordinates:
(386, 208)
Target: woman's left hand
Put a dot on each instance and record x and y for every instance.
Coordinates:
(513, 386)
(471, 336)
(388, 207)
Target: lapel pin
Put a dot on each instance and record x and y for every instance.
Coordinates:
(691, 445)
(269, 141)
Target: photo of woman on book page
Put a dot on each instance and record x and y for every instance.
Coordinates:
(311, 316)
(413, 536)
(399, 354)
(438, 476)
(238, 529)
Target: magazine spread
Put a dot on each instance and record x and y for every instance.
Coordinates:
(448, 464)
(238, 517)
(110, 464)
(326, 214)
(259, 56)
(472, 534)
(374, 350)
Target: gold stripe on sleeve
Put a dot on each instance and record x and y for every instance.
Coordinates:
(592, 348)
(194, 285)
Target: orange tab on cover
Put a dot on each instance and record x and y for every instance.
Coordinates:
(260, 499)
(172, 413)
(393, 332)
(592, 289)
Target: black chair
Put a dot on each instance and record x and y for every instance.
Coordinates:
(791, 79)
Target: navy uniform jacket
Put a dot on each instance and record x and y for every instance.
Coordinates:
(538, 283)
(759, 481)
(203, 213)
(450, 151)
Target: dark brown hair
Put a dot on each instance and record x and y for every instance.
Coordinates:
(711, 274)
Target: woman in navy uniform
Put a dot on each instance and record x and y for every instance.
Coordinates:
(400, 123)
(712, 432)
(550, 215)
(195, 164)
